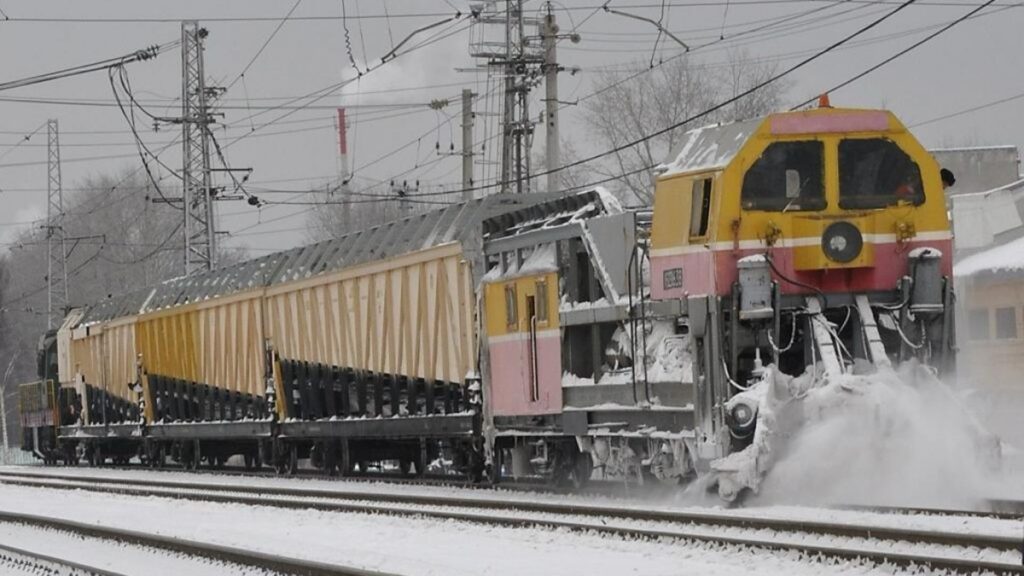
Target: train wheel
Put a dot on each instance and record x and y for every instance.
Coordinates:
(330, 458)
(154, 455)
(279, 457)
(582, 470)
(293, 460)
(572, 468)
(190, 455)
(344, 459)
(70, 457)
(96, 458)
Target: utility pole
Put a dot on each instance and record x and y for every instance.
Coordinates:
(344, 174)
(467, 145)
(517, 61)
(200, 220)
(549, 36)
(3, 404)
(57, 271)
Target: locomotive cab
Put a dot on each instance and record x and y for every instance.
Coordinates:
(808, 241)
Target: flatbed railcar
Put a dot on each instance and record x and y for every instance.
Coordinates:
(539, 335)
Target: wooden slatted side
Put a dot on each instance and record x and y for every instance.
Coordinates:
(218, 342)
(412, 315)
(104, 357)
(119, 369)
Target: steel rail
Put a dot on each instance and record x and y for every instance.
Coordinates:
(999, 509)
(334, 500)
(37, 558)
(354, 502)
(192, 548)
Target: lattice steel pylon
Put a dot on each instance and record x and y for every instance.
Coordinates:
(56, 269)
(200, 219)
(503, 39)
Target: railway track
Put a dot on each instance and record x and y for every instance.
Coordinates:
(942, 550)
(14, 560)
(250, 561)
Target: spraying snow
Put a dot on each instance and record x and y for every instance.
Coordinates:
(894, 436)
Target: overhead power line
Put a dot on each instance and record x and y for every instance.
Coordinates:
(676, 125)
(138, 55)
(412, 15)
(901, 52)
(984, 106)
(264, 46)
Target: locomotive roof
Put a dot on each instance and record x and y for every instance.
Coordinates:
(714, 147)
(463, 221)
(710, 147)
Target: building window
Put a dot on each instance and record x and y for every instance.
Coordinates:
(787, 176)
(977, 324)
(700, 207)
(876, 173)
(542, 300)
(1006, 323)
(511, 311)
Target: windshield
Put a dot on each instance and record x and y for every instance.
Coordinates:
(875, 173)
(787, 176)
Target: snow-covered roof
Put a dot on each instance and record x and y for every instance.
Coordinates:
(710, 148)
(993, 217)
(1007, 257)
(472, 221)
(1005, 147)
(1015, 185)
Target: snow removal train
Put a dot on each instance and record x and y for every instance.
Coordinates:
(551, 336)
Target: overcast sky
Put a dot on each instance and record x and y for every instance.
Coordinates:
(394, 133)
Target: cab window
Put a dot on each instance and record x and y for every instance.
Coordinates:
(700, 207)
(542, 300)
(876, 173)
(511, 309)
(787, 176)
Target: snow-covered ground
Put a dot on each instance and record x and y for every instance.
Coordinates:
(107, 555)
(431, 546)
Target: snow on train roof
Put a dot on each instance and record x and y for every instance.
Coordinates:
(1008, 257)
(457, 222)
(710, 147)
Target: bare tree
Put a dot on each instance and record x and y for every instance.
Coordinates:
(118, 240)
(572, 179)
(631, 105)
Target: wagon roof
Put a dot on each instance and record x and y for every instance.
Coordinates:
(458, 222)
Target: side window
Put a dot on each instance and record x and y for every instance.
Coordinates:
(977, 324)
(875, 173)
(542, 300)
(1006, 323)
(511, 310)
(700, 207)
(787, 176)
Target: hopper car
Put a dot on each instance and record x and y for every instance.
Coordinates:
(547, 335)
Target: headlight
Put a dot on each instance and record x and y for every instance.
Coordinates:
(842, 242)
(742, 418)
